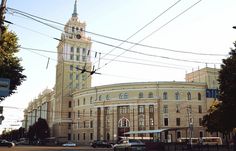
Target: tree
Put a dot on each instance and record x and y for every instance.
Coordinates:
(227, 89)
(10, 64)
(218, 120)
(42, 129)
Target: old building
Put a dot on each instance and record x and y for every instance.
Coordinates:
(78, 112)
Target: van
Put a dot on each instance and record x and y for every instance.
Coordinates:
(187, 140)
(211, 140)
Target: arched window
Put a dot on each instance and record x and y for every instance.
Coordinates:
(123, 122)
(107, 97)
(165, 96)
(177, 96)
(126, 96)
(121, 96)
(189, 96)
(140, 95)
(150, 95)
(199, 96)
(100, 98)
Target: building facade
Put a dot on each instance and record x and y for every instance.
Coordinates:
(80, 113)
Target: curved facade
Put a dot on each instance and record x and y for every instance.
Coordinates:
(106, 112)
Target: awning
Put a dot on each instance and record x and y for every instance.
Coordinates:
(146, 131)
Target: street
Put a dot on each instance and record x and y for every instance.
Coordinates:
(52, 148)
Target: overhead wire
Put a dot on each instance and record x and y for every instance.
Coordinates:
(125, 41)
(155, 32)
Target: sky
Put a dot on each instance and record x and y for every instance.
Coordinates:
(192, 26)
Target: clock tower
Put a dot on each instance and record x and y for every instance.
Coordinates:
(72, 72)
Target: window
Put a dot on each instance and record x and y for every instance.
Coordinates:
(165, 109)
(78, 136)
(140, 95)
(77, 57)
(69, 126)
(84, 136)
(150, 95)
(121, 96)
(71, 57)
(141, 121)
(73, 29)
(123, 122)
(189, 96)
(84, 124)
(141, 109)
(126, 96)
(91, 136)
(165, 121)
(178, 134)
(77, 49)
(201, 134)
(200, 121)
(69, 136)
(177, 108)
(78, 114)
(69, 114)
(69, 105)
(177, 121)
(123, 109)
(78, 102)
(84, 58)
(151, 121)
(91, 112)
(199, 97)
(151, 109)
(71, 49)
(177, 96)
(107, 97)
(165, 96)
(100, 98)
(71, 67)
(199, 109)
(83, 112)
(91, 100)
(84, 101)
(84, 51)
(91, 124)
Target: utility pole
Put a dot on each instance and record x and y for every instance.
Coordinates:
(2, 17)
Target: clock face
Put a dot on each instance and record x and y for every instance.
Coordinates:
(78, 36)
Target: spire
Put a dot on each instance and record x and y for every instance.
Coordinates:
(75, 10)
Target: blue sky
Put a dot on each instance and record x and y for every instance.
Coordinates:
(205, 28)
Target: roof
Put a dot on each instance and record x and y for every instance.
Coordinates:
(146, 131)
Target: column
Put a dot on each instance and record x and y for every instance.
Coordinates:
(115, 121)
(95, 127)
(102, 120)
(156, 117)
(147, 127)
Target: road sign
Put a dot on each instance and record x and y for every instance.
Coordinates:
(4, 86)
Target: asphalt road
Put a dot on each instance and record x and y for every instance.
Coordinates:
(52, 148)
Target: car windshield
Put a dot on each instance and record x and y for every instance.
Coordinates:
(134, 141)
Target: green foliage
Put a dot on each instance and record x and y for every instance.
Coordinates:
(221, 119)
(9, 64)
(39, 130)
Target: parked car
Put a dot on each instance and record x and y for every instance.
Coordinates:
(6, 143)
(101, 143)
(69, 144)
(129, 144)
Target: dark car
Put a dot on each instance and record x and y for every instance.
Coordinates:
(6, 143)
(100, 143)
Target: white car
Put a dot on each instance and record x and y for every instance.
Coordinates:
(69, 144)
